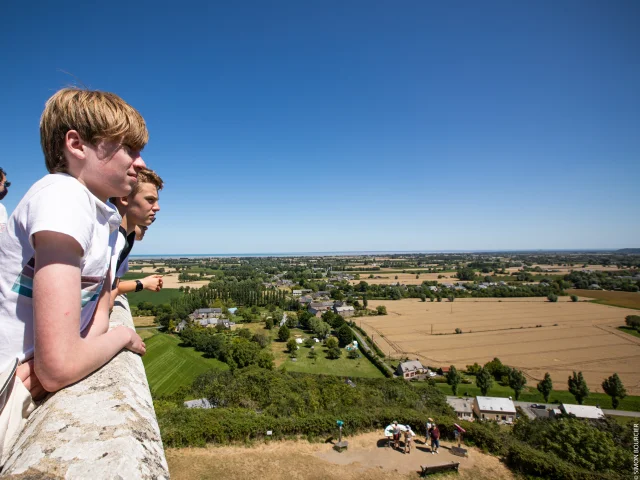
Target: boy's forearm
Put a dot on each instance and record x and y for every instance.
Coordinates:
(126, 286)
(84, 356)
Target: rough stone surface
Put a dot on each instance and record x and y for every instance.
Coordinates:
(103, 427)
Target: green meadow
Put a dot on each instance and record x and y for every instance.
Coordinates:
(170, 366)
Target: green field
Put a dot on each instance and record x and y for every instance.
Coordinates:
(630, 331)
(531, 394)
(343, 367)
(170, 367)
(146, 333)
(157, 298)
(134, 276)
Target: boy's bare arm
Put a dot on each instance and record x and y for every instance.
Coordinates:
(100, 321)
(61, 355)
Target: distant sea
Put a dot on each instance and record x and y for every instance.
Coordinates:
(358, 253)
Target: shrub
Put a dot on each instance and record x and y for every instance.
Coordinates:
(574, 298)
(283, 333)
(552, 297)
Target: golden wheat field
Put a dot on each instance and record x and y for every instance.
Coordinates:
(571, 336)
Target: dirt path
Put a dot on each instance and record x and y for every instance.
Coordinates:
(366, 459)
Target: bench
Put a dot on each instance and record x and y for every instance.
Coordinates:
(443, 467)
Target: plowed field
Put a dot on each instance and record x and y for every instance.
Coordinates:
(571, 336)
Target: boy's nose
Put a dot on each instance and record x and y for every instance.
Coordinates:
(138, 164)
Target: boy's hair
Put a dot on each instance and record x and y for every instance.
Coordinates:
(95, 115)
(147, 176)
(3, 174)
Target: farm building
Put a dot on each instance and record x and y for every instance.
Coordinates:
(344, 310)
(199, 403)
(410, 369)
(463, 407)
(582, 411)
(318, 309)
(494, 408)
(206, 313)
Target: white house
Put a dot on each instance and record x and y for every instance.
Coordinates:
(345, 310)
(582, 411)
(494, 408)
(463, 407)
(410, 369)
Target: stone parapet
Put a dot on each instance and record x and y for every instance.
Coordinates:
(103, 427)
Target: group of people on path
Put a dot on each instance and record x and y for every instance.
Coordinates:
(433, 435)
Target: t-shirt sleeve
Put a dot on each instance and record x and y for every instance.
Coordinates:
(3, 218)
(63, 208)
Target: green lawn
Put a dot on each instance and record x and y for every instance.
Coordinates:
(170, 367)
(344, 367)
(134, 275)
(157, 298)
(146, 333)
(531, 394)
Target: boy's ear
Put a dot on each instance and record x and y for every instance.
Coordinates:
(124, 201)
(74, 145)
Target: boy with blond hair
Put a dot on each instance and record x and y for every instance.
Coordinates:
(139, 208)
(55, 253)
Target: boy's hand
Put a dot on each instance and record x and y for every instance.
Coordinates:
(30, 380)
(136, 345)
(152, 283)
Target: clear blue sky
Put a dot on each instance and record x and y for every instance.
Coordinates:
(287, 126)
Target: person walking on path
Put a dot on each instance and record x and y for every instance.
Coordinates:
(396, 435)
(408, 438)
(434, 433)
(430, 423)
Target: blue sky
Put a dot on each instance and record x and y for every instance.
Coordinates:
(290, 126)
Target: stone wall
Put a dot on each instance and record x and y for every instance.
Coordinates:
(103, 427)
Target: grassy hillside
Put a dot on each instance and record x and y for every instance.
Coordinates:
(170, 367)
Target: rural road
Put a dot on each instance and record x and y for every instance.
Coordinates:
(362, 343)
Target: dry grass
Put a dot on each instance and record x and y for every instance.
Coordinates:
(573, 336)
(364, 460)
(144, 321)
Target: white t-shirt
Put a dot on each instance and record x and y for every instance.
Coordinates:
(57, 203)
(120, 244)
(3, 218)
(117, 249)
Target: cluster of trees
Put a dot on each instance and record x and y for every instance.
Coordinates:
(495, 370)
(633, 321)
(606, 280)
(592, 446)
(394, 292)
(239, 349)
